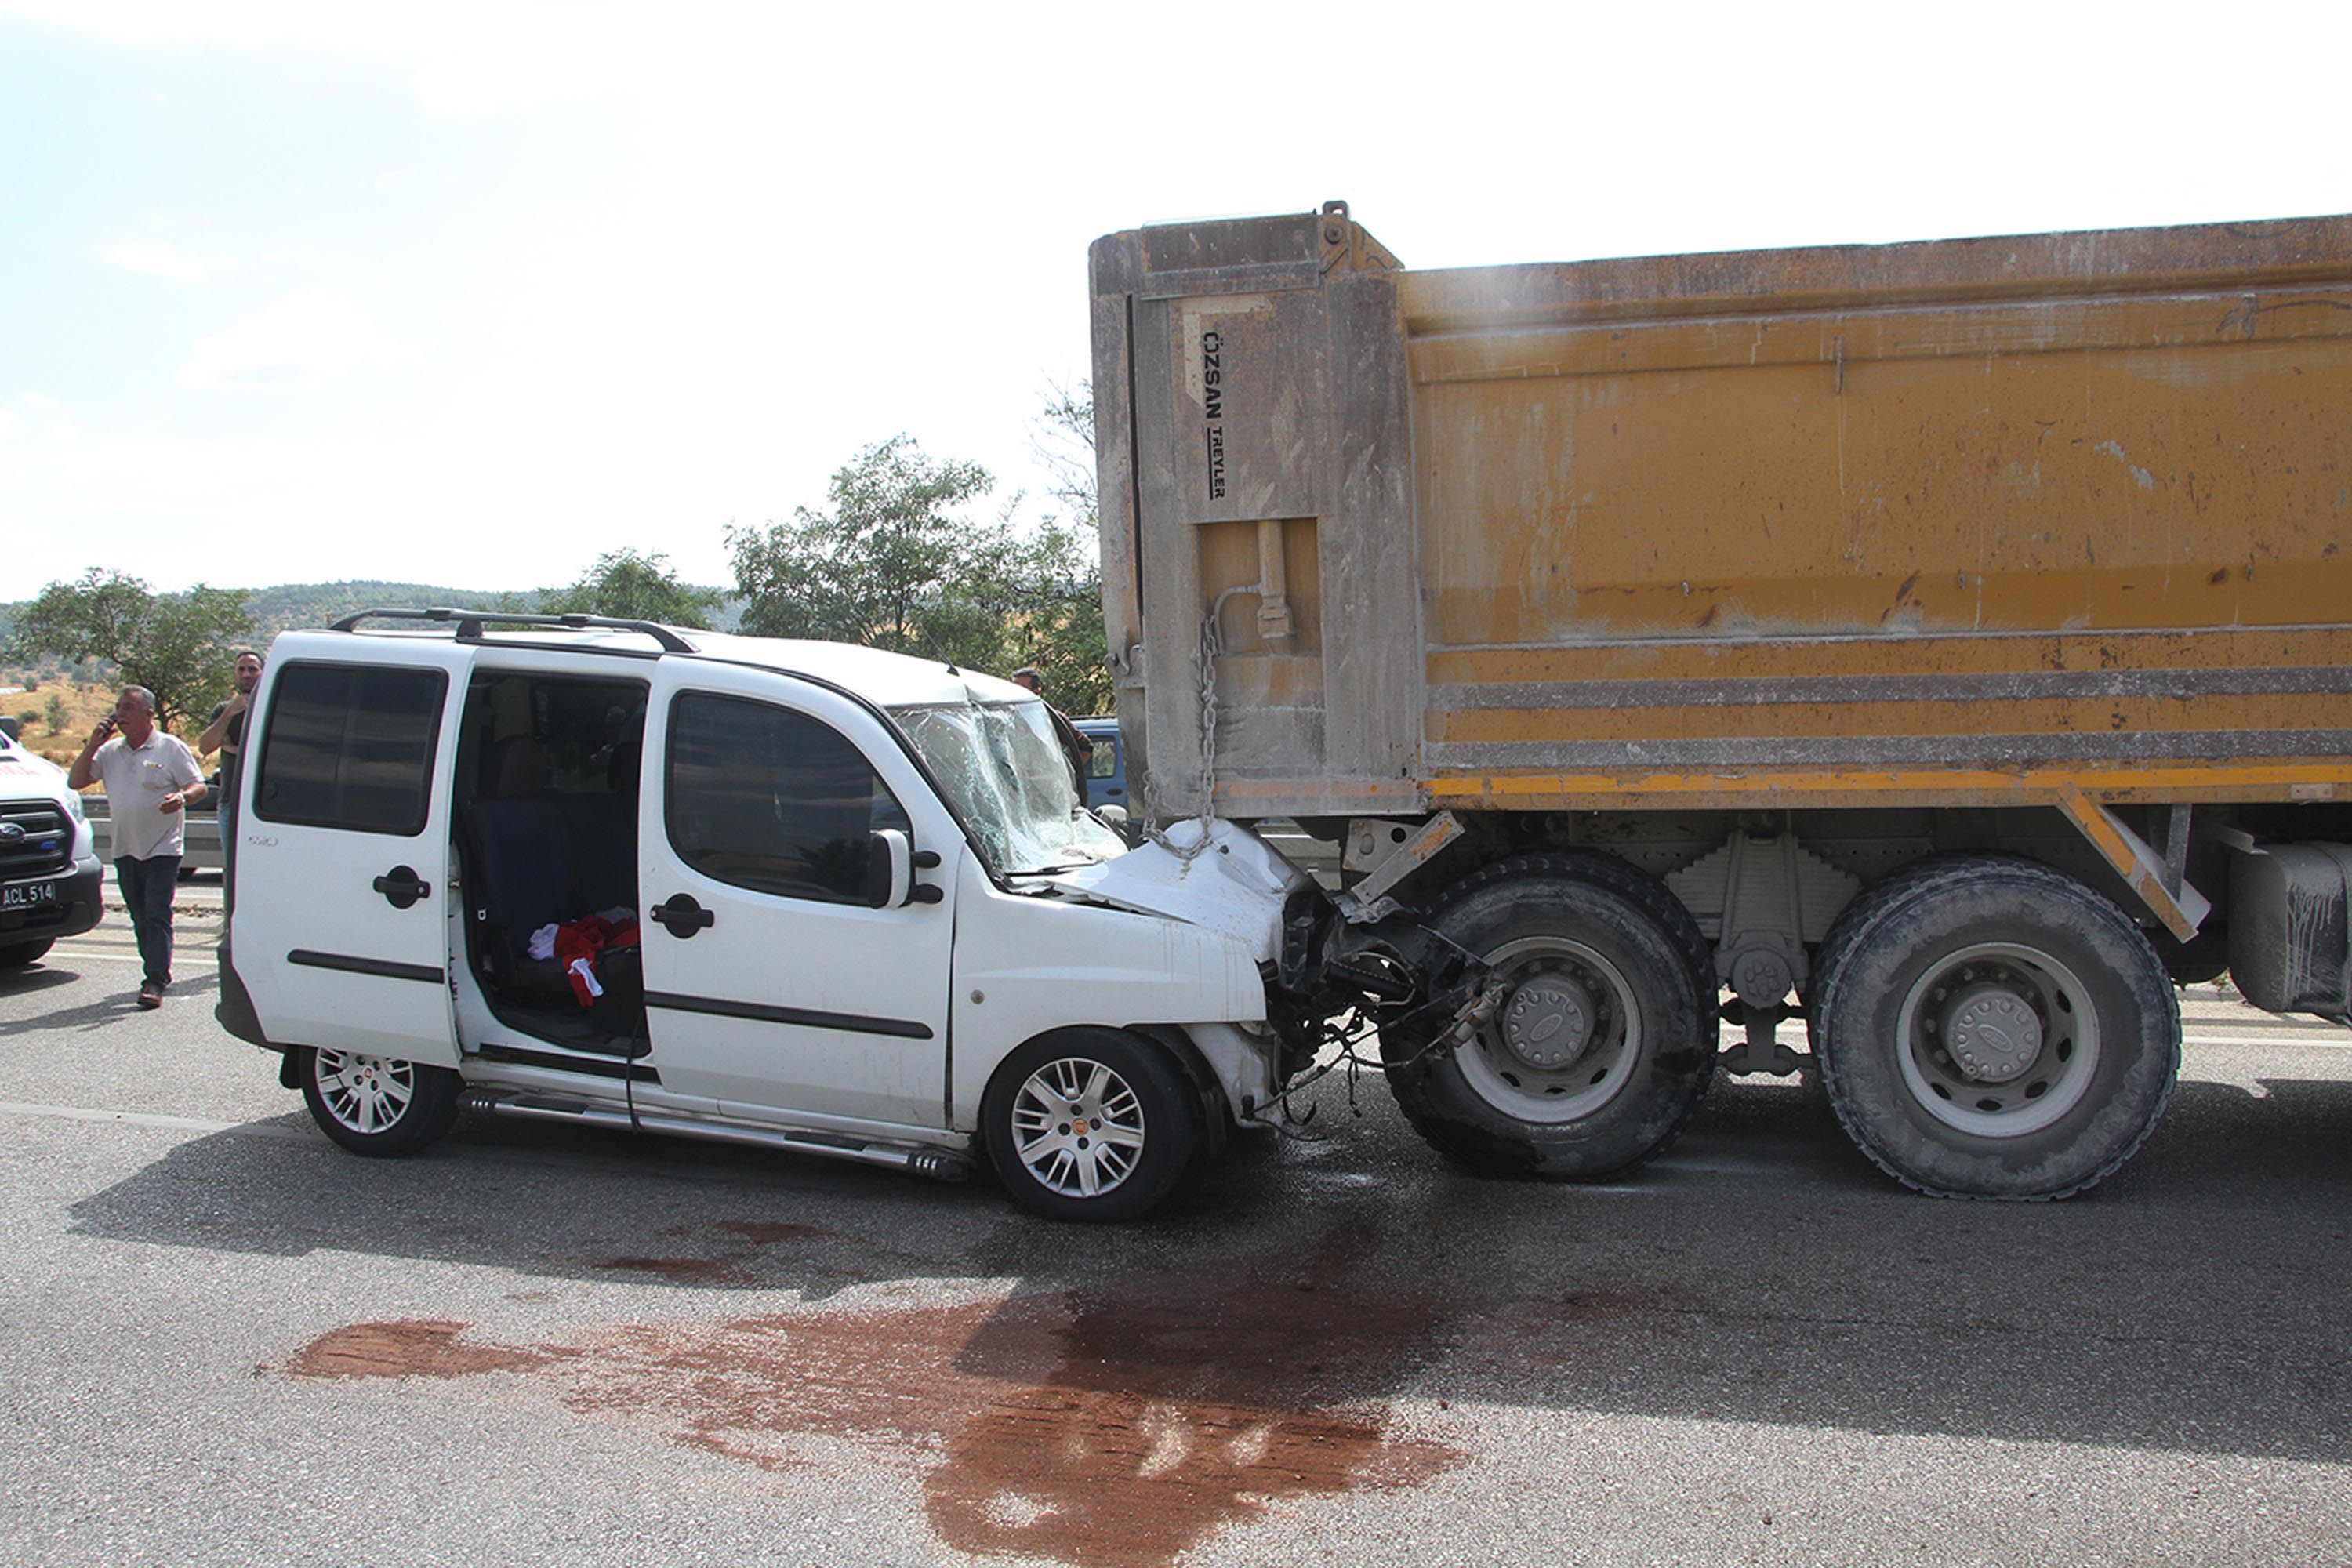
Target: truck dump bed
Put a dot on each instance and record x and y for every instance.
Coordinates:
(1974, 521)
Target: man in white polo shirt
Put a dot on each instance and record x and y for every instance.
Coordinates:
(151, 779)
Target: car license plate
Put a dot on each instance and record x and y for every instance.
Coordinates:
(28, 895)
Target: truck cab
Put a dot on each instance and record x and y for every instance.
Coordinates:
(800, 895)
(1107, 768)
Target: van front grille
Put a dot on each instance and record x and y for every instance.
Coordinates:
(37, 839)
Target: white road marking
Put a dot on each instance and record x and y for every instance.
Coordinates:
(149, 1119)
(179, 963)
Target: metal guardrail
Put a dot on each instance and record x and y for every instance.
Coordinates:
(203, 836)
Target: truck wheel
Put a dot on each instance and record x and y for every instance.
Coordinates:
(377, 1106)
(1858, 916)
(1992, 1028)
(17, 954)
(1602, 1047)
(1089, 1124)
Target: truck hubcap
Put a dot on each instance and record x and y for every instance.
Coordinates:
(2000, 1040)
(1548, 1023)
(1991, 1033)
(1565, 1042)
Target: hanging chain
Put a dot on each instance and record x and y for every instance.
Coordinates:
(1212, 643)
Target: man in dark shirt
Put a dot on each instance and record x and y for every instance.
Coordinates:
(225, 733)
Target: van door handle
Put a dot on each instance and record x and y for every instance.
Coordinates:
(402, 887)
(682, 916)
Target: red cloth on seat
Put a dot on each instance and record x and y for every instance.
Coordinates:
(577, 944)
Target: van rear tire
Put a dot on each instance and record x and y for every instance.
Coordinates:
(378, 1106)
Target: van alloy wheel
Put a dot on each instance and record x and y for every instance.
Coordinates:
(377, 1105)
(1080, 1126)
(1090, 1124)
(366, 1094)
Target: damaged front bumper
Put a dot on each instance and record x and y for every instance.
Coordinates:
(1333, 968)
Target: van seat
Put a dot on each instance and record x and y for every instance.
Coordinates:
(526, 880)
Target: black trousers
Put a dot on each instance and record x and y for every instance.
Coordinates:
(147, 886)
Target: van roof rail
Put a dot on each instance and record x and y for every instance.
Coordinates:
(471, 622)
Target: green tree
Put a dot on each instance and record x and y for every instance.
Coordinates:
(901, 559)
(897, 562)
(1064, 633)
(175, 644)
(633, 587)
(56, 713)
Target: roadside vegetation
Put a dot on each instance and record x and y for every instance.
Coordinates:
(910, 553)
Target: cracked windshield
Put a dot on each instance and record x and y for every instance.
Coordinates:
(1001, 769)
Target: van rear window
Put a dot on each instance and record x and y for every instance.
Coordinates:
(351, 746)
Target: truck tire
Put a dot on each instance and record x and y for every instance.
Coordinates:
(1857, 917)
(1050, 1105)
(1603, 1046)
(377, 1106)
(1988, 1027)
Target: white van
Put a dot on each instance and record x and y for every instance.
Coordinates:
(51, 883)
(877, 924)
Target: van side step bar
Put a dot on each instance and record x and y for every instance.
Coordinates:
(939, 1165)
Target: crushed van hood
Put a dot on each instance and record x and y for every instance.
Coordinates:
(1238, 884)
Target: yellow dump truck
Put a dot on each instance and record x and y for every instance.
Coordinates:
(1947, 643)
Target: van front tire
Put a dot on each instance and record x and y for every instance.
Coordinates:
(1093, 1125)
(381, 1107)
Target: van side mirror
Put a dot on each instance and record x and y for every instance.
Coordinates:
(889, 869)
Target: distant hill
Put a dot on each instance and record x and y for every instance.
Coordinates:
(293, 606)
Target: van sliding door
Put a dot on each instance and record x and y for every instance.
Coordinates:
(341, 923)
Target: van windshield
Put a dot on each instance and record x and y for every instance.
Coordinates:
(1006, 776)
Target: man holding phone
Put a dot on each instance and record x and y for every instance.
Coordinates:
(151, 779)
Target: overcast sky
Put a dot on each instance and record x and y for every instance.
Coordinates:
(467, 293)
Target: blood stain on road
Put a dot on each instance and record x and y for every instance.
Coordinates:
(1113, 1428)
(415, 1347)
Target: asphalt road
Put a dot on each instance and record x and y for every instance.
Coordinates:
(226, 1342)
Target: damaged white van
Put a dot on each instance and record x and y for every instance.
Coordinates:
(801, 895)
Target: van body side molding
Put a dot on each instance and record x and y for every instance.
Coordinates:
(848, 1023)
(385, 968)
